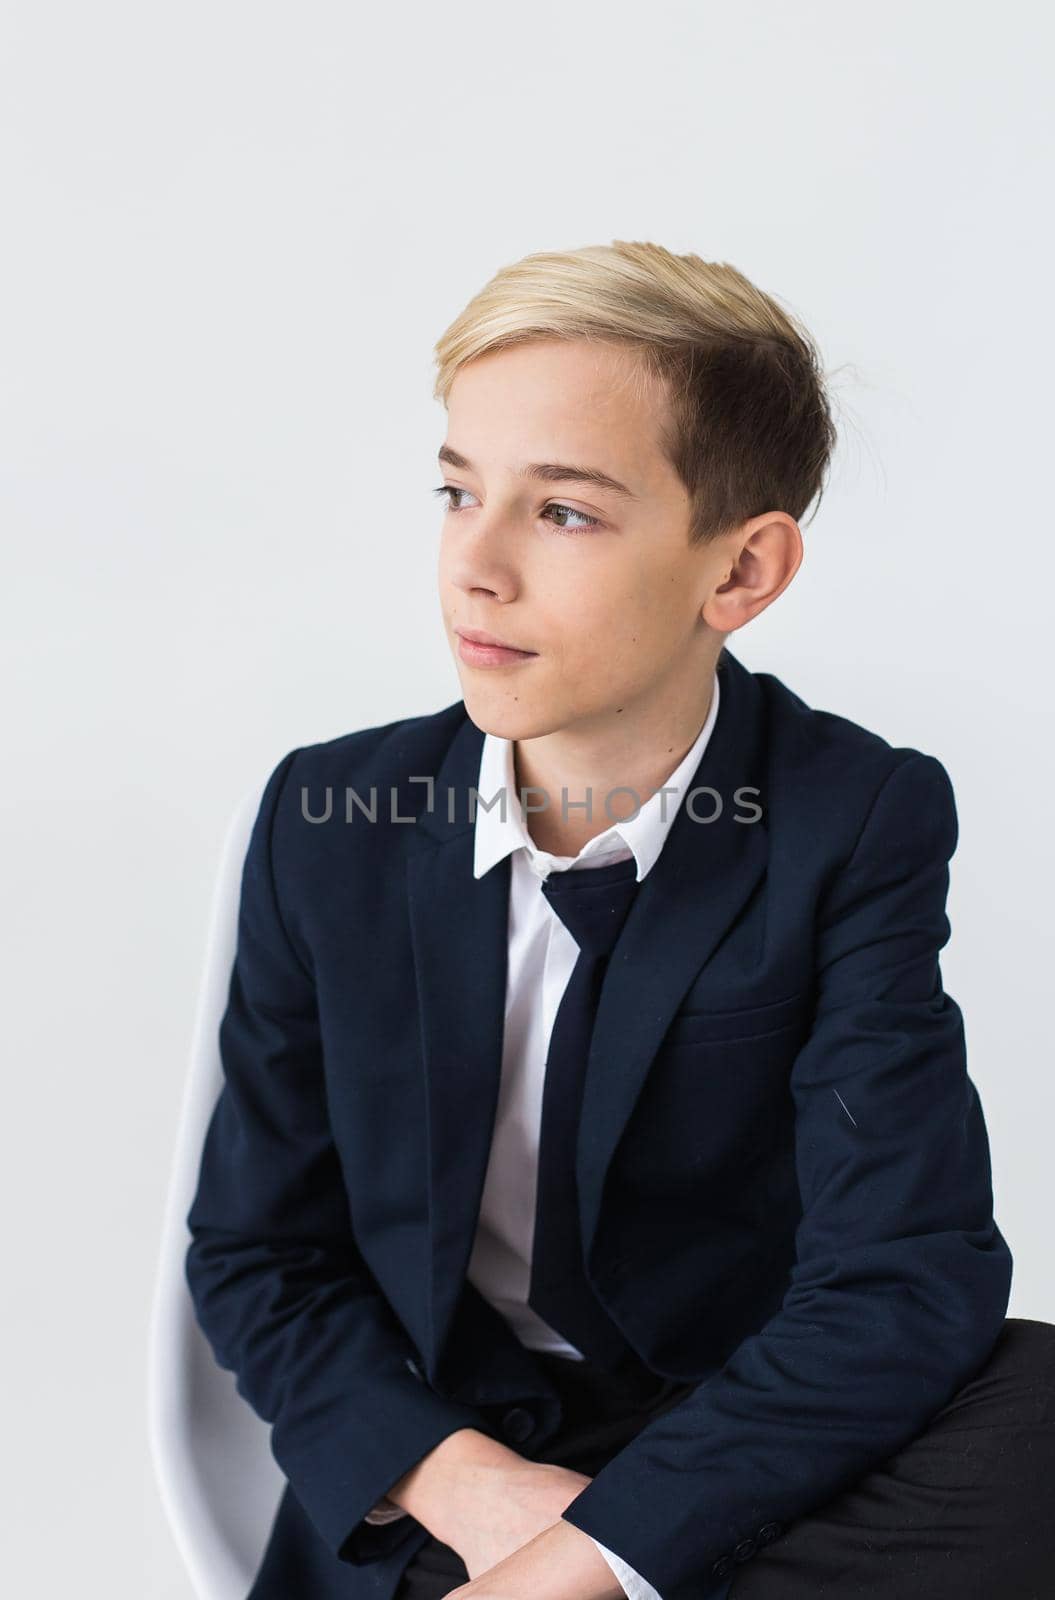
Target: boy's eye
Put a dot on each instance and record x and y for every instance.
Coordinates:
(450, 491)
(554, 505)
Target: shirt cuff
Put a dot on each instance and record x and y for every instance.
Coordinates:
(384, 1511)
(636, 1587)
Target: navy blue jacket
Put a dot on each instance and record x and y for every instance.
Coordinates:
(783, 1165)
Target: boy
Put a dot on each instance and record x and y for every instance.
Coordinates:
(598, 1203)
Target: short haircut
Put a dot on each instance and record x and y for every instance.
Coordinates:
(748, 426)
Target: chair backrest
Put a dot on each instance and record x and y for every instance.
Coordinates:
(219, 1482)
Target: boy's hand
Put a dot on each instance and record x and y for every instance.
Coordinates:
(560, 1563)
(482, 1499)
(508, 1509)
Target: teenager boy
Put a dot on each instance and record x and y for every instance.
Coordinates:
(598, 1202)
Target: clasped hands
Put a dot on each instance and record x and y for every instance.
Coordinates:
(502, 1514)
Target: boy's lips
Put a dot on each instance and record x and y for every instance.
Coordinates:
(481, 649)
(478, 636)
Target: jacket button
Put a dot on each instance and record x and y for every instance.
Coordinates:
(745, 1548)
(518, 1424)
(769, 1531)
(723, 1565)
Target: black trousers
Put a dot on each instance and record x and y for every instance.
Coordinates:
(966, 1511)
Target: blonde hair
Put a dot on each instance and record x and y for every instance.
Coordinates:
(748, 426)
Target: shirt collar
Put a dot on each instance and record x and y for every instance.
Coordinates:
(501, 830)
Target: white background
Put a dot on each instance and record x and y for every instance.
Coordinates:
(231, 235)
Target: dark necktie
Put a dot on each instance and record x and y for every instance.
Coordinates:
(593, 903)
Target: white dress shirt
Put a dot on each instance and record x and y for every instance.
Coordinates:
(541, 956)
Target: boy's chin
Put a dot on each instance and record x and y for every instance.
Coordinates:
(504, 726)
(500, 715)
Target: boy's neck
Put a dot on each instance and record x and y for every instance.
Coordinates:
(640, 764)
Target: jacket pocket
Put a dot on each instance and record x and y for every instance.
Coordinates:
(746, 1022)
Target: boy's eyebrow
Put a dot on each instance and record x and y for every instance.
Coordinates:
(548, 471)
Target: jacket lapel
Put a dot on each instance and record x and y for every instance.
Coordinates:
(459, 935)
(703, 876)
(699, 883)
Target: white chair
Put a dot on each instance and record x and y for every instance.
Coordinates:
(220, 1484)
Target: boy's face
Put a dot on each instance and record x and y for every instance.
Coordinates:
(610, 610)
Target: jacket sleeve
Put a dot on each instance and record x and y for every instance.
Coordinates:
(901, 1279)
(279, 1286)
